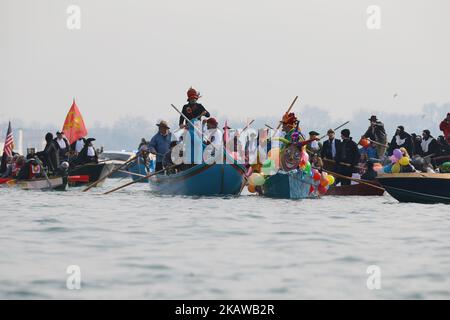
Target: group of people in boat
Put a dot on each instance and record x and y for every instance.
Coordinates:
(346, 158)
(55, 159)
(342, 155)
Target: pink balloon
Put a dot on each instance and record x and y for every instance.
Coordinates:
(393, 159)
(398, 154)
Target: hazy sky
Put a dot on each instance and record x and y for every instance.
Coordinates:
(247, 58)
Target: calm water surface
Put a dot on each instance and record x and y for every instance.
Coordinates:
(134, 244)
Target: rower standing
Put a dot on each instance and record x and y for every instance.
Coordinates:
(192, 110)
(63, 145)
(193, 113)
(377, 133)
(159, 145)
(347, 157)
(330, 149)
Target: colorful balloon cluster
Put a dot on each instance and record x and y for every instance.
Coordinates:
(398, 159)
(325, 181)
(322, 181)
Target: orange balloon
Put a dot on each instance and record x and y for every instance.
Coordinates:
(251, 188)
(324, 182)
(364, 142)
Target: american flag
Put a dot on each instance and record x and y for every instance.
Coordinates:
(9, 142)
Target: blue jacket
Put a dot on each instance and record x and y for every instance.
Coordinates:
(160, 145)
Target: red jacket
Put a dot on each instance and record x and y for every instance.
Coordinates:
(445, 127)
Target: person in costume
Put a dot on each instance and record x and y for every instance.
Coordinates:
(88, 154)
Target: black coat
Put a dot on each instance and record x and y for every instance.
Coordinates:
(348, 152)
(326, 149)
(408, 144)
(192, 111)
(433, 148)
(377, 133)
(50, 155)
(83, 157)
(62, 151)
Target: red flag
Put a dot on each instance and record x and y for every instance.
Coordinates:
(74, 127)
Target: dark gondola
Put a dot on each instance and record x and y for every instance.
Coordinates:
(418, 187)
(94, 172)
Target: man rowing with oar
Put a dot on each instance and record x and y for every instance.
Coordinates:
(159, 145)
(192, 110)
(192, 113)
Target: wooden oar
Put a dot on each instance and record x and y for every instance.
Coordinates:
(140, 179)
(378, 143)
(288, 110)
(109, 174)
(268, 126)
(132, 173)
(334, 129)
(43, 170)
(247, 126)
(352, 179)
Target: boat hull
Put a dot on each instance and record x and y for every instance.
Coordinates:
(53, 183)
(355, 190)
(418, 187)
(288, 185)
(95, 171)
(202, 180)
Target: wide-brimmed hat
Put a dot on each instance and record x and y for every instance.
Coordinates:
(373, 118)
(313, 133)
(89, 140)
(60, 132)
(163, 124)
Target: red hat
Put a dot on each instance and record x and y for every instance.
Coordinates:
(193, 94)
(212, 121)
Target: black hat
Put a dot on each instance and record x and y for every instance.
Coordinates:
(60, 132)
(313, 133)
(330, 131)
(48, 136)
(427, 132)
(345, 133)
(401, 128)
(89, 140)
(373, 118)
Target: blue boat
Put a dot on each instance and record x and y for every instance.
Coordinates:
(139, 169)
(289, 185)
(202, 180)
